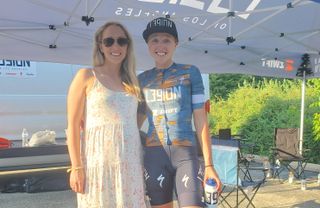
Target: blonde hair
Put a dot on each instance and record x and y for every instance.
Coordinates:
(128, 66)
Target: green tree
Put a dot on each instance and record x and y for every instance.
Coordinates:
(316, 117)
(221, 85)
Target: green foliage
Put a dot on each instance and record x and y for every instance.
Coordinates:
(315, 83)
(221, 85)
(254, 110)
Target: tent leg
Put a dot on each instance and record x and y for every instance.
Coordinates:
(302, 112)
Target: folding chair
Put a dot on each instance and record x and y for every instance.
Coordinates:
(286, 150)
(225, 159)
(226, 135)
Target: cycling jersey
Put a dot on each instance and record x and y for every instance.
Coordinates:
(170, 96)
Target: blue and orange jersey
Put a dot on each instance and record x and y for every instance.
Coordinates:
(169, 98)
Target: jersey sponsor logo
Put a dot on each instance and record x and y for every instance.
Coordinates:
(185, 180)
(166, 94)
(156, 112)
(160, 179)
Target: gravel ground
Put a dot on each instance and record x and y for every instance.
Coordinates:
(274, 193)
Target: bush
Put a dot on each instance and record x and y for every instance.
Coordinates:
(255, 111)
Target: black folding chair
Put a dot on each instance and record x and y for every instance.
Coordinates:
(224, 133)
(286, 151)
(225, 158)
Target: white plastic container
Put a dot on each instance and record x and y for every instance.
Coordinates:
(290, 177)
(266, 166)
(24, 137)
(303, 184)
(211, 193)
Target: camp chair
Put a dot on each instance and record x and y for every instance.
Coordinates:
(226, 135)
(226, 163)
(286, 150)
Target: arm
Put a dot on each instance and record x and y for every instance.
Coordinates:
(202, 130)
(75, 109)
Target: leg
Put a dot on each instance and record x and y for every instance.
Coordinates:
(159, 177)
(188, 183)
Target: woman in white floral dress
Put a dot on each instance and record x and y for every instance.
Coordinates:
(106, 169)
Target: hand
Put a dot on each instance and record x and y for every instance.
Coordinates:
(210, 172)
(77, 180)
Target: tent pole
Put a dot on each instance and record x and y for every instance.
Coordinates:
(302, 111)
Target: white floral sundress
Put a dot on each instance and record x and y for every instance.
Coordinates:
(111, 151)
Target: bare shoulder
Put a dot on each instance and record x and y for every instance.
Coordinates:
(82, 79)
(84, 74)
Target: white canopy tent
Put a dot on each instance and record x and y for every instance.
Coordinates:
(266, 38)
(257, 37)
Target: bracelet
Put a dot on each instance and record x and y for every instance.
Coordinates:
(208, 166)
(76, 168)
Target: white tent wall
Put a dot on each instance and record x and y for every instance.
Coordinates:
(34, 99)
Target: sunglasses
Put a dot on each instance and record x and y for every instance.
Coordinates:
(108, 42)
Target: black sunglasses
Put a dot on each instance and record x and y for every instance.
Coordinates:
(108, 42)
